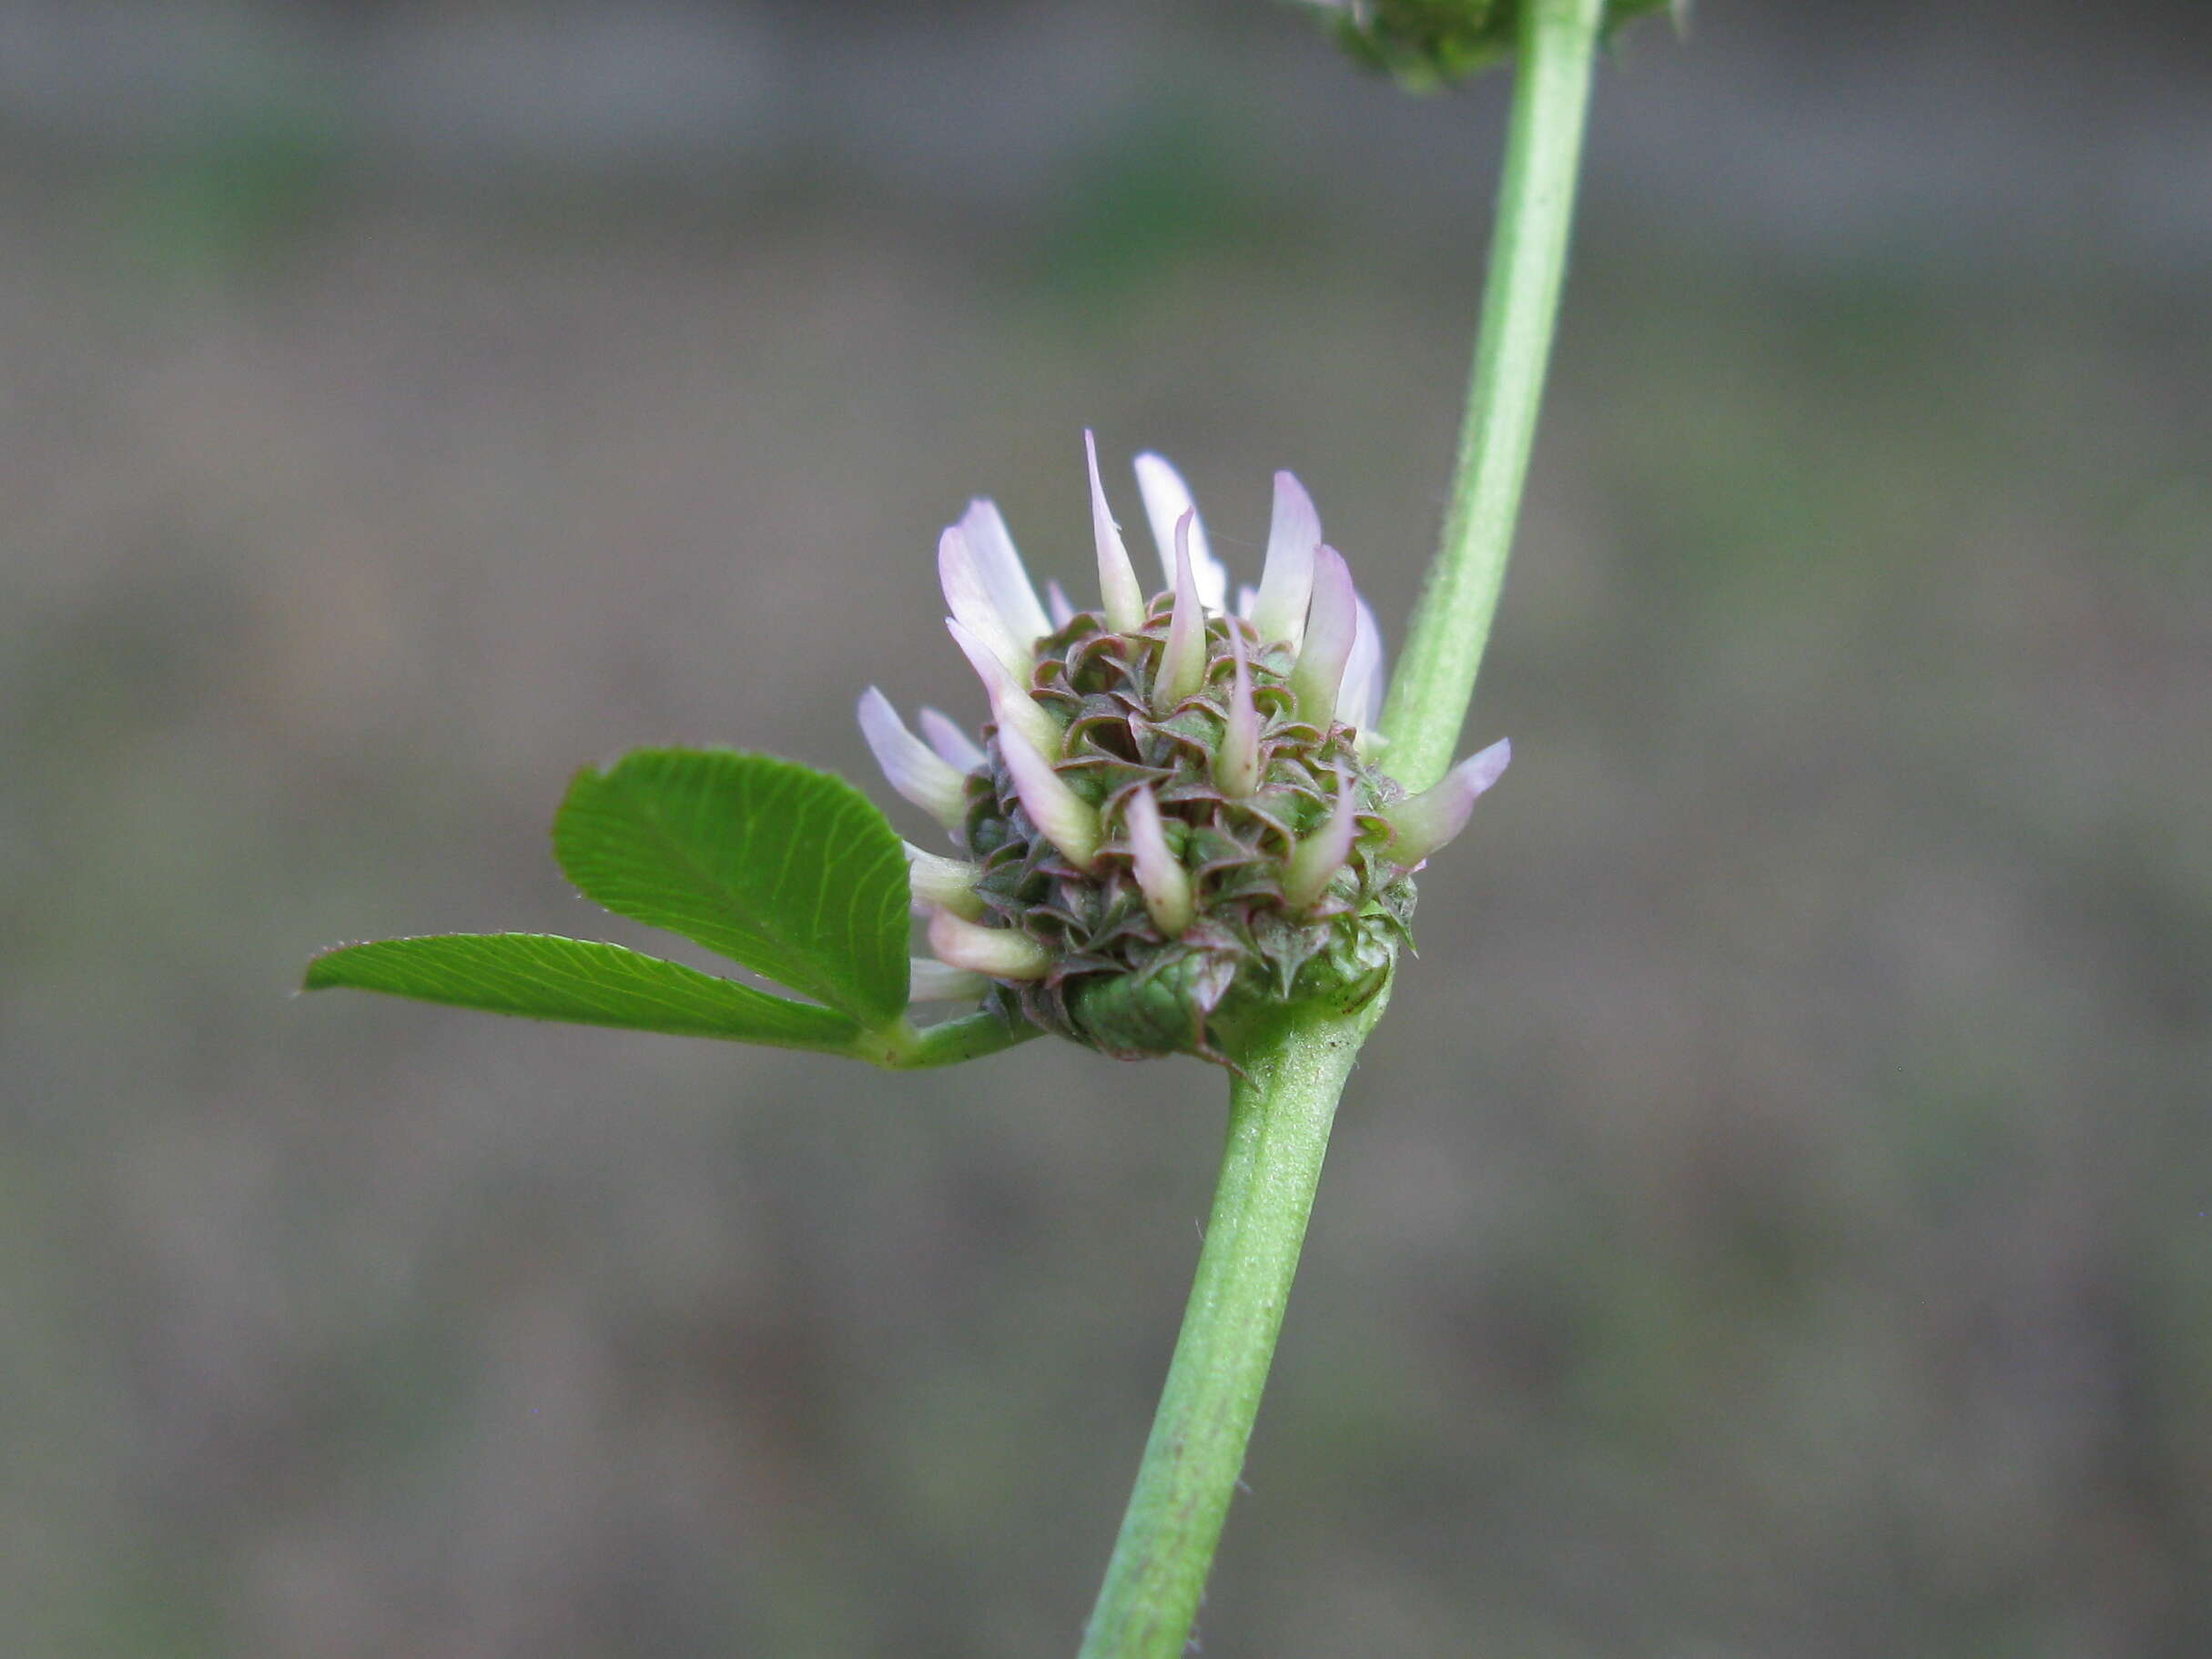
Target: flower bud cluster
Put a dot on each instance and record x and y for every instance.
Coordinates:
(1173, 818)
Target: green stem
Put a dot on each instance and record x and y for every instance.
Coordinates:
(1435, 678)
(1278, 1117)
(1280, 1109)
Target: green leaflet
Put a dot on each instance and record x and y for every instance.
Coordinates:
(544, 977)
(790, 870)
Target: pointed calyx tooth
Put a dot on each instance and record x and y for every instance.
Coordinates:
(1160, 877)
(1286, 581)
(1063, 817)
(997, 952)
(929, 980)
(944, 734)
(1121, 599)
(911, 766)
(1421, 825)
(1331, 623)
(1182, 660)
(1317, 858)
(974, 609)
(1166, 498)
(1010, 703)
(1238, 769)
(942, 884)
(1005, 577)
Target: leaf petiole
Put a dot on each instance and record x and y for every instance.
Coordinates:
(906, 1046)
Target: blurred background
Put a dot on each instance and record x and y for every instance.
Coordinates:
(1777, 1217)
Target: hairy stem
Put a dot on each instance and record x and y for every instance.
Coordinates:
(1278, 1117)
(1281, 1111)
(1434, 680)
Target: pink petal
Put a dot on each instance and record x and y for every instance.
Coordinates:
(1330, 625)
(1010, 703)
(942, 884)
(1001, 569)
(1121, 599)
(1063, 817)
(1317, 858)
(972, 606)
(912, 768)
(1360, 700)
(1287, 582)
(1430, 819)
(929, 980)
(1182, 660)
(1166, 498)
(1165, 884)
(950, 740)
(996, 951)
(1057, 606)
(1239, 769)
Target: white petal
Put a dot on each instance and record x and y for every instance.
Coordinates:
(1433, 817)
(1331, 626)
(1287, 582)
(1239, 767)
(996, 951)
(1247, 596)
(1182, 660)
(1057, 606)
(1361, 701)
(942, 884)
(972, 606)
(1120, 596)
(1314, 860)
(1165, 884)
(1063, 817)
(929, 980)
(1166, 498)
(944, 734)
(912, 767)
(1010, 703)
(1001, 569)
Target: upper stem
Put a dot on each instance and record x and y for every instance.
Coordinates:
(1434, 680)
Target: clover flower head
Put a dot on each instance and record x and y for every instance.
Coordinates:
(1174, 816)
